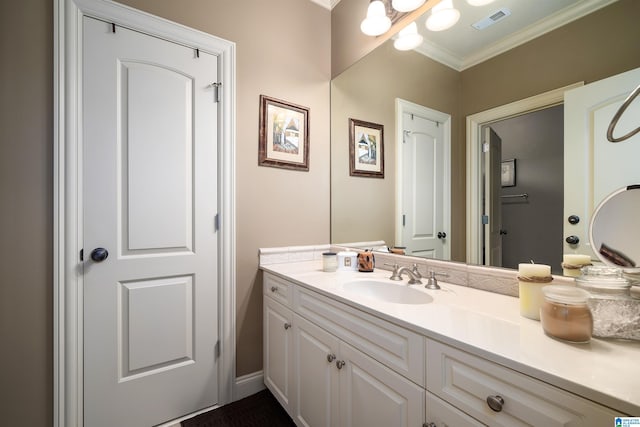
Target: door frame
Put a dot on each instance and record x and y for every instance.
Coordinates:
(403, 106)
(67, 192)
(474, 155)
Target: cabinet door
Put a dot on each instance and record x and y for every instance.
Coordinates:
(441, 414)
(277, 351)
(373, 395)
(315, 375)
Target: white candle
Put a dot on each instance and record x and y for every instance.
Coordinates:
(534, 270)
(531, 297)
(577, 260)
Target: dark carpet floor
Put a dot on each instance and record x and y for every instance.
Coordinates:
(260, 409)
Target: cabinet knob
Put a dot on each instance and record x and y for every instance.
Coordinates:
(274, 288)
(331, 357)
(495, 403)
(340, 364)
(429, 425)
(287, 325)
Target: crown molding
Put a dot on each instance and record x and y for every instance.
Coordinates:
(518, 38)
(327, 4)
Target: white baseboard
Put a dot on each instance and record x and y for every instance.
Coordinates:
(247, 385)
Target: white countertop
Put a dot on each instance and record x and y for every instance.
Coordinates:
(489, 325)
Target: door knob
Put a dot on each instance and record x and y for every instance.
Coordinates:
(442, 235)
(99, 254)
(573, 240)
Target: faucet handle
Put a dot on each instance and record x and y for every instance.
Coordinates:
(432, 282)
(395, 275)
(415, 271)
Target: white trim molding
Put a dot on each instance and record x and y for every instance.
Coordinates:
(249, 384)
(68, 220)
(474, 150)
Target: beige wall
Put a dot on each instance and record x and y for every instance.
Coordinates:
(598, 45)
(364, 208)
(283, 50)
(26, 171)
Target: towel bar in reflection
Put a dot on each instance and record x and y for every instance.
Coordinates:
(516, 196)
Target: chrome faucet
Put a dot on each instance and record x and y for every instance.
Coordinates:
(413, 273)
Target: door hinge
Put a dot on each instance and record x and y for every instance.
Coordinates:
(216, 91)
(81, 254)
(485, 219)
(216, 222)
(485, 147)
(217, 349)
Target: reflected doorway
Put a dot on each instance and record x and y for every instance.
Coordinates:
(527, 200)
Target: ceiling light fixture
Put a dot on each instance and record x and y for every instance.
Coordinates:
(479, 2)
(443, 16)
(377, 22)
(408, 38)
(406, 5)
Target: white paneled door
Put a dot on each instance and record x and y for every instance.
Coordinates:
(423, 177)
(149, 238)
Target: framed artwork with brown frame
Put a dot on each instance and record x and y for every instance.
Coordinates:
(284, 134)
(366, 149)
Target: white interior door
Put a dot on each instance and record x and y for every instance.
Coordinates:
(593, 166)
(149, 199)
(492, 148)
(423, 178)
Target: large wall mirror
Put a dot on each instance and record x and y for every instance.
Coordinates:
(591, 48)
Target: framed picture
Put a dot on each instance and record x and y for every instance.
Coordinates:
(509, 173)
(284, 134)
(366, 149)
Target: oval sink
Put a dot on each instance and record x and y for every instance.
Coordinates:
(387, 292)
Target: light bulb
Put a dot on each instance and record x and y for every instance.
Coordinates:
(443, 16)
(408, 38)
(406, 5)
(377, 22)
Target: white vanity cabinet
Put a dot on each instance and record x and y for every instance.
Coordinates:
(498, 396)
(332, 364)
(278, 351)
(278, 338)
(329, 382)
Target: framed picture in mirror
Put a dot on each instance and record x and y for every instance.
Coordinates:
(284, 134)
(366, 149)
(509, 173)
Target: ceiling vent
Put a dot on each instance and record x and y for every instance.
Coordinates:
(499, 15)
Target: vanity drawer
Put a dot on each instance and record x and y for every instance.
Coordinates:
(467, 381)
(277, 288)
(391, 345)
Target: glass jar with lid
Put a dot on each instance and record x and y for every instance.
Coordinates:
(565, 313)
(615, 313)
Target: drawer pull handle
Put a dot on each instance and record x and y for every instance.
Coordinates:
(340, 364)
(331, 357)
(274, 288)
(429, 425)
(495, 403)
(287, 325)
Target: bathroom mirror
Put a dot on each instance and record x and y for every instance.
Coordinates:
(614, 231)
(364, 209)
